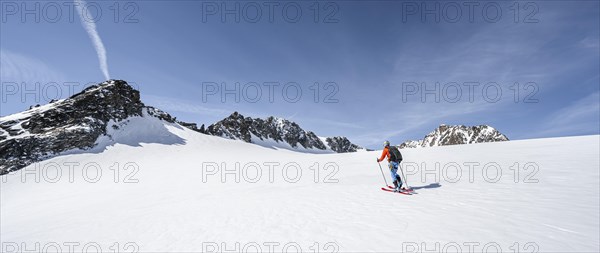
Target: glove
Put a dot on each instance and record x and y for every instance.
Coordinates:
(378, 160)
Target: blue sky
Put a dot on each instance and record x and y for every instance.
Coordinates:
(371, 52)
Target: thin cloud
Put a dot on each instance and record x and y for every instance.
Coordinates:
(90, 28)
(589, 42)
(27, 73)
(20, 68)
(178, 105)
(581, 117)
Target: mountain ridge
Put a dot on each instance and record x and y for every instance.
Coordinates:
(445, 135)
(77, 123)
(258, 131)
(80, 120)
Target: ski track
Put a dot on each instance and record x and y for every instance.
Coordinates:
(171, 209)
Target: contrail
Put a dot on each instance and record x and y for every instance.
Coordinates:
(90, 27)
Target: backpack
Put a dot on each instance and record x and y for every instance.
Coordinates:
(395, 155)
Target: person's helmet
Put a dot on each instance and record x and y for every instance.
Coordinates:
(386, 143)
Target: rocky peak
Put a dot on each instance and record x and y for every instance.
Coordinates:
(78, 121)
(72, 123)
(455, 135)
(253, 130)
(341, 144)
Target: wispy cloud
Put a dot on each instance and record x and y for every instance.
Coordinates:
(415, 117)
(20, 68)
(90, 28)
(589, 42)
(581, 117)
(179, 105)
(340, 125)
(27, 73)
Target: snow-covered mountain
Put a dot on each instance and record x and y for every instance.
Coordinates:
(124, 176)
(76, 123)
(454, 135)
(73, 123)
(279, 133)
(80, 120)
(167, 188)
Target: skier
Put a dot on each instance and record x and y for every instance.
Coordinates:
(394, 158)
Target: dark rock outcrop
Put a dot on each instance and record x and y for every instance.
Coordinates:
(72, 123)
(238, 127)
(341, 144)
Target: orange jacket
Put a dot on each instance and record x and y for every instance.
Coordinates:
(385, 153)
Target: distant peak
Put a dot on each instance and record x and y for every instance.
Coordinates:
(279, 130)
(457, 134)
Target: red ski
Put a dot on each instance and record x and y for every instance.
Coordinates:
(390, 190)
(406, 190)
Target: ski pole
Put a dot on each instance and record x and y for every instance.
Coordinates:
(383, 175)
(403, 176)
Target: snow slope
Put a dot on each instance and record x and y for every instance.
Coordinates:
(270, 143)
(166, 198)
